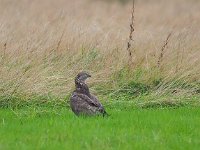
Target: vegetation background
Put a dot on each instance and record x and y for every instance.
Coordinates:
(44, 44)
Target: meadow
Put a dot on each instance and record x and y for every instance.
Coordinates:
(153, 95)
(44, 128)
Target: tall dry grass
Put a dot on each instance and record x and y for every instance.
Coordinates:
(44, 44)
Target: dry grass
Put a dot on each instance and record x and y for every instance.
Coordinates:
(43, 44)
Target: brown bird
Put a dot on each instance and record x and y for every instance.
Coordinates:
(82, 102)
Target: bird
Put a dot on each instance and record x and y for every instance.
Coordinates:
(82, 102)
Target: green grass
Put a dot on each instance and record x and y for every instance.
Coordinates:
(131, 128)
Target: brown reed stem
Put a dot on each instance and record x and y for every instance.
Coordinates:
(160, 58)
(132, 29)
(60, 40)
(5, 46)
(4, 51)
(177, 58)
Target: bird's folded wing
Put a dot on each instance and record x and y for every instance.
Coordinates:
(88, 100)
(94, 98)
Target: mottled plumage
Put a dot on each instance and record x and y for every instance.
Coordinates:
(82, 102)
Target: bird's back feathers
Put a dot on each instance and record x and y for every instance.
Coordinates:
(82, 104)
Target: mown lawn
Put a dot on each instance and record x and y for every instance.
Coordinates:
(47, 128)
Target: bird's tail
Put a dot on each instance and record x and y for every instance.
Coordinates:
(102, 111)
(105, 114)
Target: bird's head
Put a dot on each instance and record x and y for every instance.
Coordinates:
(82, 76)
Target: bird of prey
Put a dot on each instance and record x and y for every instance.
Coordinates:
(82, 102)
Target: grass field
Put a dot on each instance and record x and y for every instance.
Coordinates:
(44, 128)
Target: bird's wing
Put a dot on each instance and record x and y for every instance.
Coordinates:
(86, 104)
(80, 105)
(94, 98)
(100, 108)
(88, 100)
